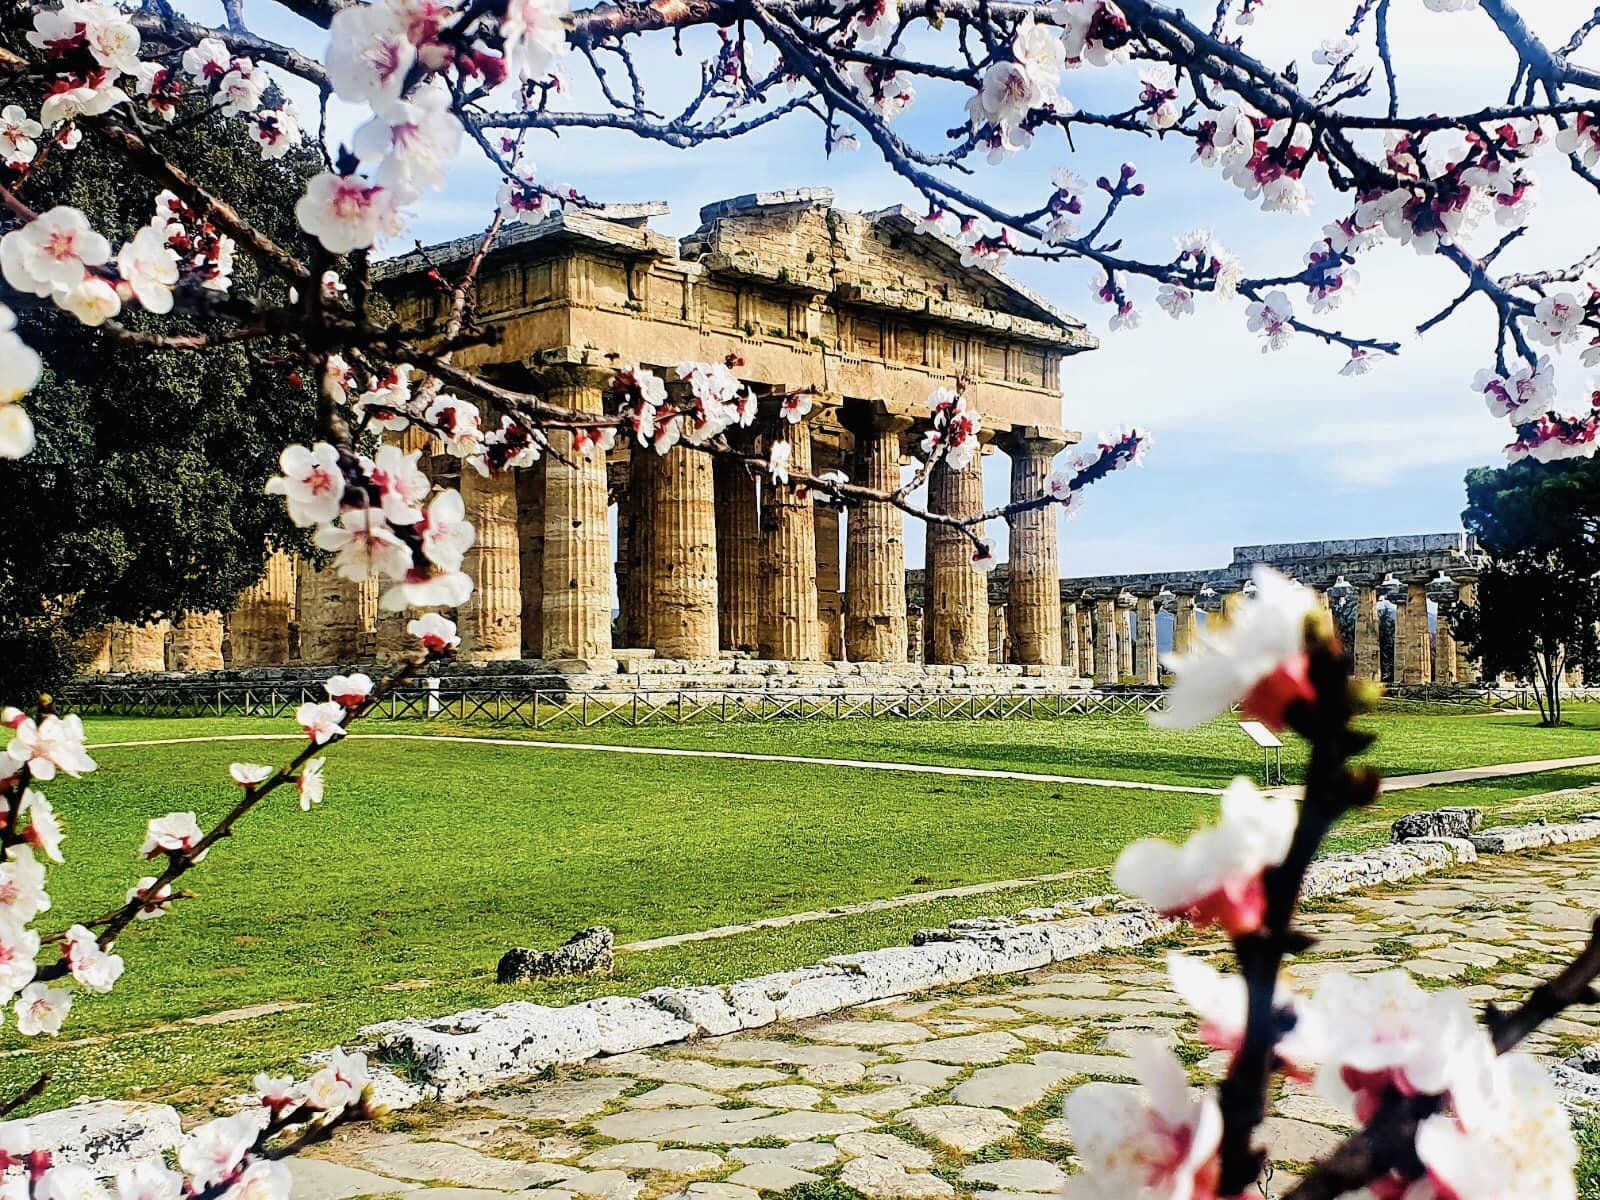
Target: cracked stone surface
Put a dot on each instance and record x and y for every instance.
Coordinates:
(952, 1093)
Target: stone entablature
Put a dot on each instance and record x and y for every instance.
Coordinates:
(847, 304)
(1317, 564)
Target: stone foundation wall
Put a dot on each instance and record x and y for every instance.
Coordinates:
(638, 672)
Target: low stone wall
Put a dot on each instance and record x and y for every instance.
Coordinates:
(457, 1055)
(1503, 839)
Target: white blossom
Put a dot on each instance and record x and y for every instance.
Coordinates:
(52, 252)
(1158, 1142)
(1558, 319)
(1381, 1031)
(1215, 876)
(1507, 1135)
(150, 269)
(44, 831)
(213, 1151)
(153, 900)
(1270, 317)
(535, 35)
(22, 894)
(312, 483)
(148, 1179)
(175, 833)
(69, 1181)
(322, 722)
(345, 212)
(46, 746)
(41, 1009)
(18, 136)
(369, 54)
(412, 142)
(247, 775)
(436, 633)
(349, 690)
(310, 784)
(95, 969)
(1257, 659)
(19, 951)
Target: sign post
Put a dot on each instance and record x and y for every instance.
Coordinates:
(1271, 751)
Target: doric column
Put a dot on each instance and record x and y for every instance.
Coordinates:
(1183, 624)
(789, 625)
(1146, 669)
(197, 641)
(329, 611)
(1069, 634)
(958, 593)
(330, 616)
(1033, 574)
(914, 642)
(1125, 607)
(1411, 631)
(1230, 606)
(530, 485)
(1467, 597)
(490, 622)
(1086, 640)
(577, 538)
(738, 493)
(139, 647)
(258, 627)
(1105, 640)
(998, 641)
(1368, 649)
(875, 553)
(94, 650)
(1444, 650)
(638, 618)
(683, 556)
(830, 603)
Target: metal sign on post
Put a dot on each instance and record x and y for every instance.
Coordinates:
(1271, 750)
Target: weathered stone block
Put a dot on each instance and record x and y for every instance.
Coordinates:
(627, 1024)
(585, 953)
(473, 1050)
(1438, 822)
(104, 1134)
(1503, 839)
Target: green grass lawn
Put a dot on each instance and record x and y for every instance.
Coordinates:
(427, 861)
(1122, 747)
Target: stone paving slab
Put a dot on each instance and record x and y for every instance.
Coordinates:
(951, 1094)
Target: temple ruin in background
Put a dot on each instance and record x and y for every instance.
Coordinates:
(713, 565)
(718, 577)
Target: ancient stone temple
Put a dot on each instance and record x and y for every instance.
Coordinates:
(679, 558)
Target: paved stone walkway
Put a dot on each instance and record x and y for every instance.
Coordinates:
(950, 1094)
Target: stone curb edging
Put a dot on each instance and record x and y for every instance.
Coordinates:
(1505, 839)
(467, 1052)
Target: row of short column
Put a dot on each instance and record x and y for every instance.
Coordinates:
(1112, 635)
(712, 557)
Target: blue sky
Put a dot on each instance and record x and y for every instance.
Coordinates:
(1248, 447)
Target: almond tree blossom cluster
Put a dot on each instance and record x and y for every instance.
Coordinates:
(434, 79)
(1445, 1104)
(42, 971)
(238, 1157)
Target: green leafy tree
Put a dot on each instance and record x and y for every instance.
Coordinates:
(144, 496)
(1538, 600)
